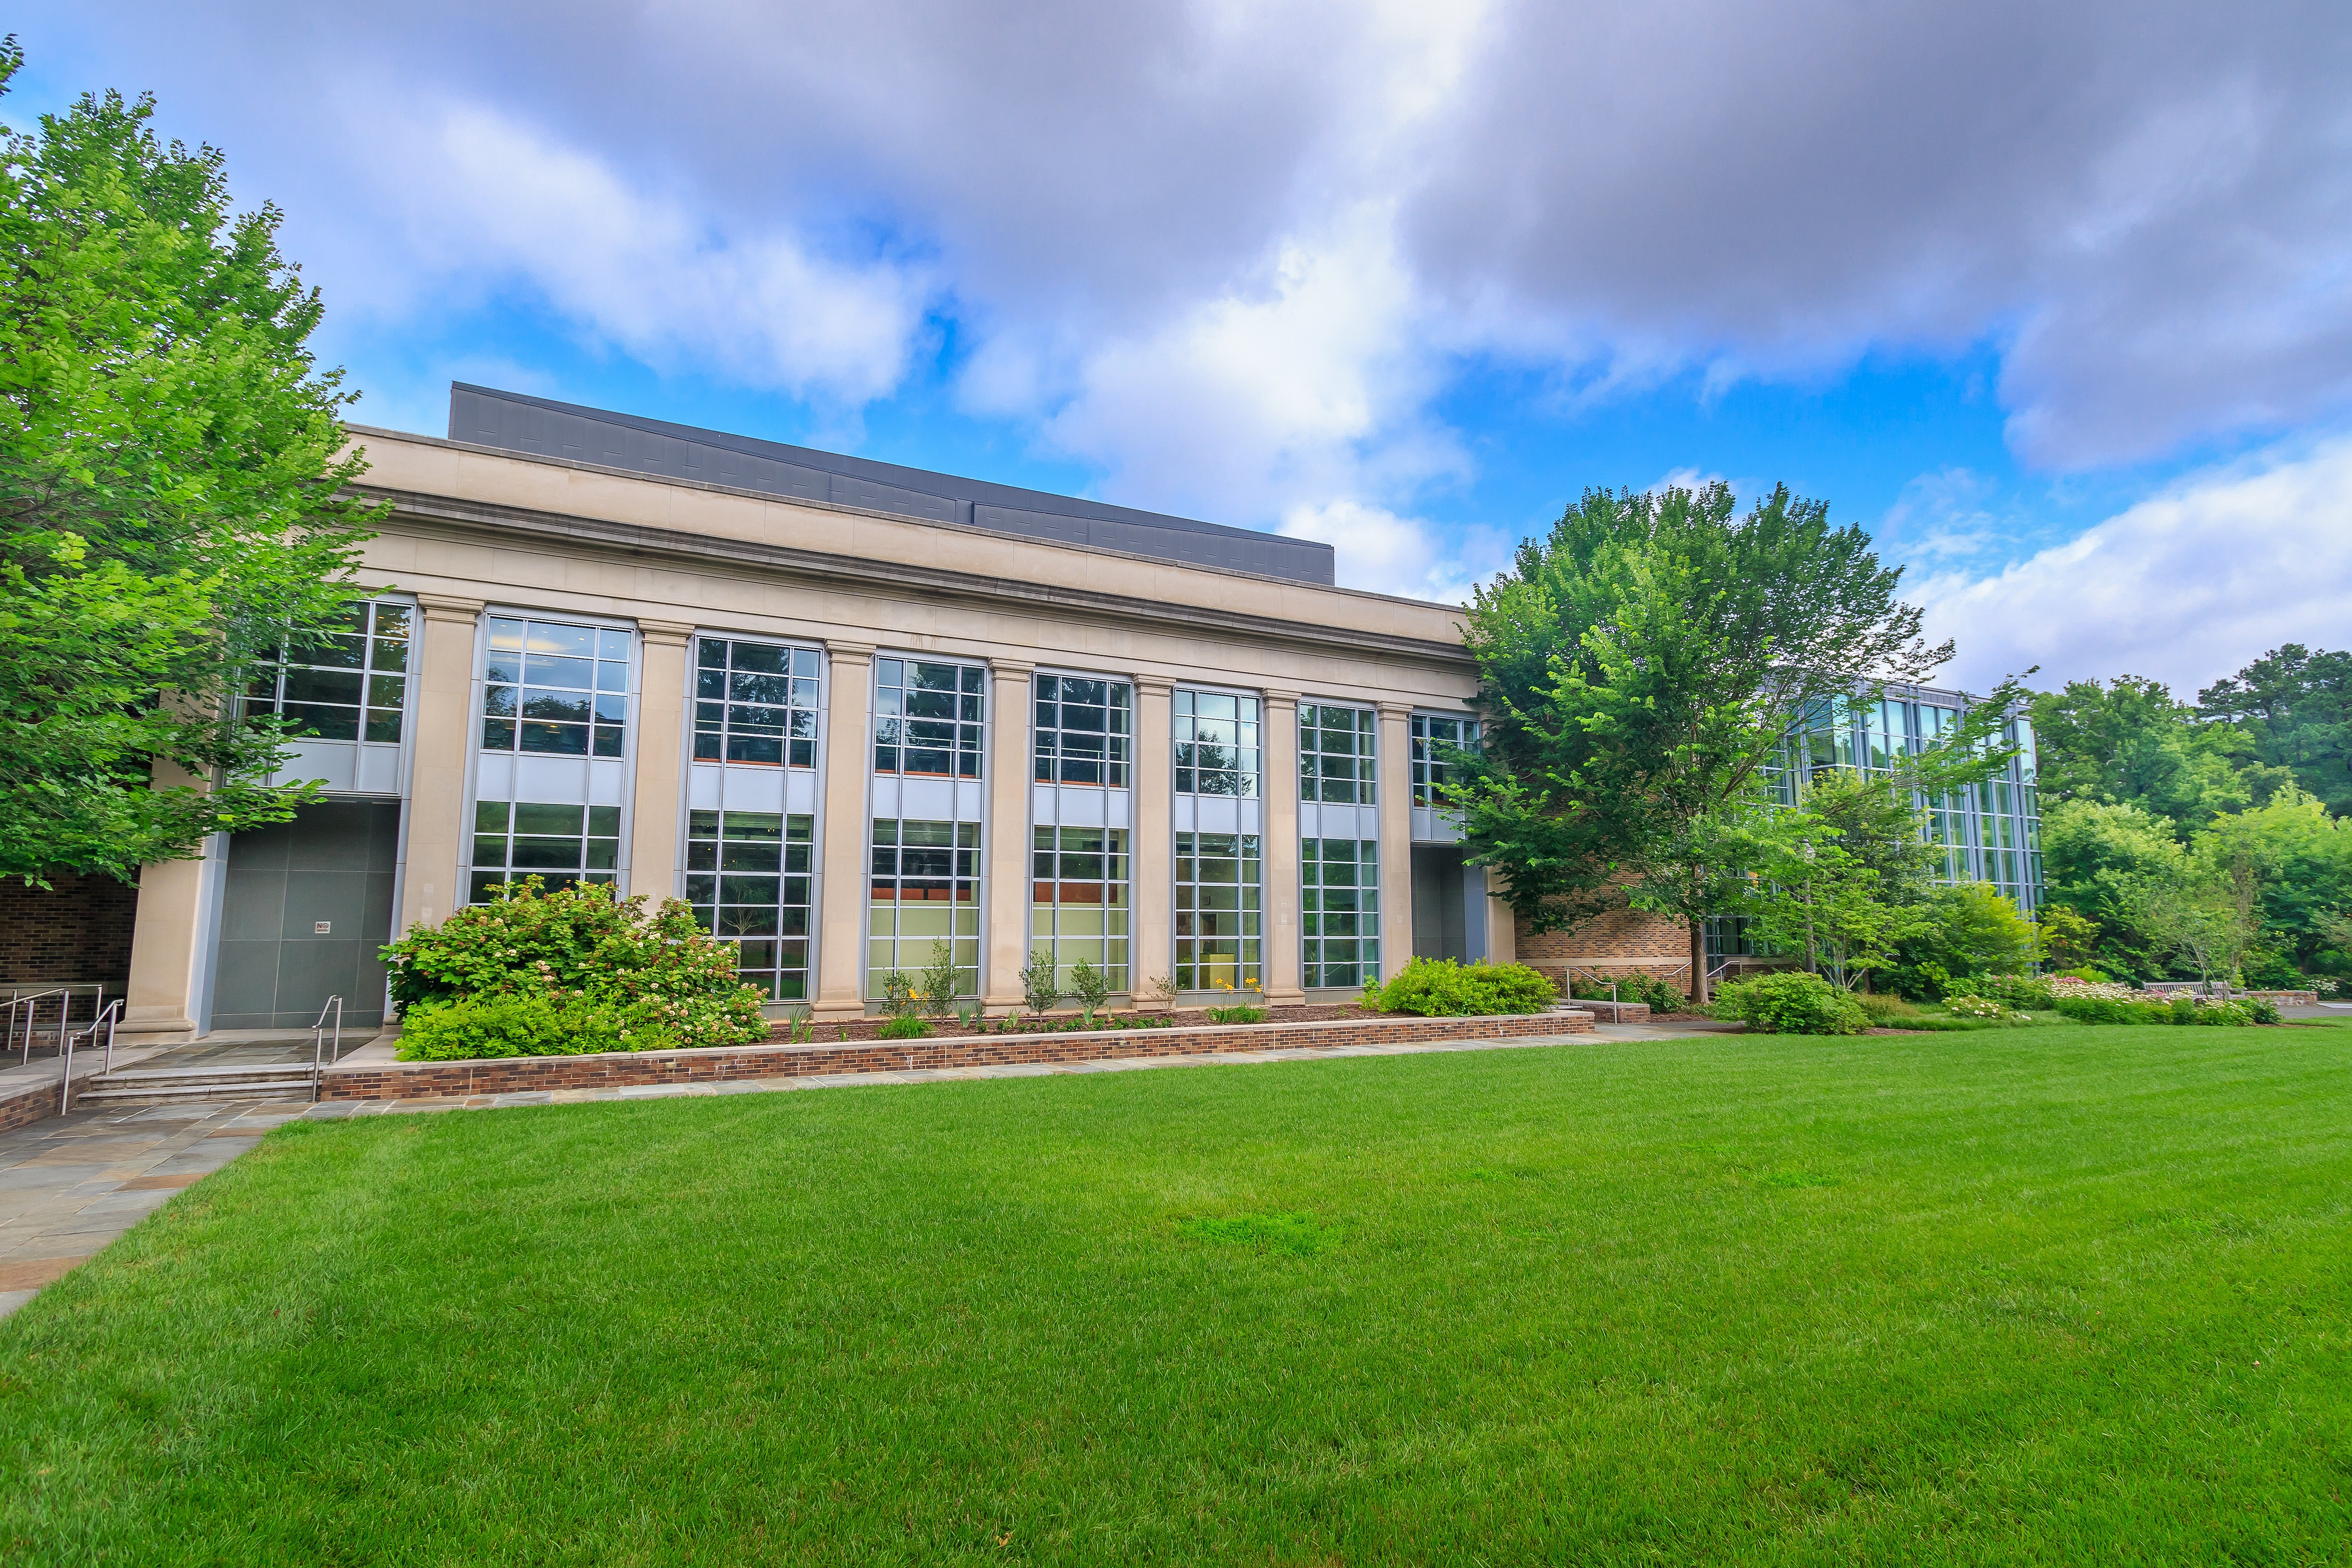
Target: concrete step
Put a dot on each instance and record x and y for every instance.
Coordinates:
(108, 1091)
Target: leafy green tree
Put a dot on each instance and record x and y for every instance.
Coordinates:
(1967, 929)
(2094, 854)
(2131, 743)
(1843, 877)
(2298, 860)
(173, 474)
(1640, 667)
(2296, 705)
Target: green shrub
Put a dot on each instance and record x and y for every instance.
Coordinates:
(2187, 1010)
(2020, 990)
(1090, 987)
(1238, 1015)
(545, 1023)
(1444, 988)
(2262, 1009)
(906, 1027)
(1791, 1001)
(935, 991)
(1658, 995)
(1982, 1010)
(1887, 1012)
(598, 963)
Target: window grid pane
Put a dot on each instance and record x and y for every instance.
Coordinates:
(1430, 732)
(562, 844)
(349, 683)
(928, 718)
(1336, 753)
(1078, 899)
(747, 876)
(755, 702)
(1217, 912)
(924, 888)
(556, 689)
(1340, 912)
(1082, 731)
(1216, 743)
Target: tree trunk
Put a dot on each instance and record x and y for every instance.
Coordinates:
(1698, 961)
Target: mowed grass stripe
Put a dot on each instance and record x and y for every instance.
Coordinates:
(2041, 1295)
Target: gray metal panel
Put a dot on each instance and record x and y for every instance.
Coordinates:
(511, 422)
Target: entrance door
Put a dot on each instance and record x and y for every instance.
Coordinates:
(307, 906)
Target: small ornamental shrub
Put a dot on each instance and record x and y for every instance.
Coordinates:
(1658, 995)
(906, 1026)
(936, 990)
(897, 994)
(1444, 988)
(2188, 1010)
(1887, 1012)
(598, 964)
(2262, 1009)
(1791, 1001)
(2020, 990)
(2064, 985)
(1237, 1014)
(1040, 985)
(1984, 1009)
(1089, 986)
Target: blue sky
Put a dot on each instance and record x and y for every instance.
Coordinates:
(2059, 305)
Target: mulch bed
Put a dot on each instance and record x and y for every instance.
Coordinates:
(1189, 1017)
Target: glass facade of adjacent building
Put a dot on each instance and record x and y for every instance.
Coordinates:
(349, 683)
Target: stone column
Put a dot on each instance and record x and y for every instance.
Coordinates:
(1151, 950)
(1394, 764)
(445, 719)
(168, 937)
(1278, 741)
(658, 795)
(1502, 926)
(842, 878)
(1008, 835)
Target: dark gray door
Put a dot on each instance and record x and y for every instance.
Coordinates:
(1439, 929)
(309, 903)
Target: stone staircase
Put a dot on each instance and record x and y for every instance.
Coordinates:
(248, 1070)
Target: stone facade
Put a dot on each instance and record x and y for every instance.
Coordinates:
(78, 929)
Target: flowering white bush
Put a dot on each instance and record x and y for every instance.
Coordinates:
(2067, 986)
(1983, 1008)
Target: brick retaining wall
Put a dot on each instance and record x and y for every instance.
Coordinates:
(513, 1074)
(29, 1106)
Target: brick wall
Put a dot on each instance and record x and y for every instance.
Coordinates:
(441, 1081)
(1616, 942)
(78, 929)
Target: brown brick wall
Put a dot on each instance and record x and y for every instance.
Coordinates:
(29, 1106)
(1617, 941)
(441, 1081)
(80, 929)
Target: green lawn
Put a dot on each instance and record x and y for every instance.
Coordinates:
(2051, 1295)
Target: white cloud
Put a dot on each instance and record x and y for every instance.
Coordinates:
(2184, 587)
(1402, 555)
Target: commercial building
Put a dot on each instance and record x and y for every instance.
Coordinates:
(847, 711)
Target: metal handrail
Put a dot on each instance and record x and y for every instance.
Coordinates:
(108, 1018)
(32, 1005)
(319, 1044)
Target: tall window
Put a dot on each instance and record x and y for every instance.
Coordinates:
(348, 683)
(1077, 907)
(754, 702)
(1216, 743)
(555, 689)
(1340, 908)
(1217, 912)
(1082, 727)
(1431, 733)
(927, 717)
(565, 844)
(1335, 752)
(747, 876)
(926, 889)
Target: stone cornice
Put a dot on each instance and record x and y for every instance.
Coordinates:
(469, 520)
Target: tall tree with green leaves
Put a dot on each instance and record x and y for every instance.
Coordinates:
(2296, 707)
(172, 492)
(1639, 668)
(2132, 742)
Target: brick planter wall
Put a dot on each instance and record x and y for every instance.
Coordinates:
(512, 1075)
(30, 1105)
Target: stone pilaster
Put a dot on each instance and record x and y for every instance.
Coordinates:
(841, 882)
(657, 794)
(1007, 835)
(445, 717)
(168, 937)
(1394, 771)
(1152, 952)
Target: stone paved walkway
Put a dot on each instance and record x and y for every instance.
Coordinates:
(70, 1184)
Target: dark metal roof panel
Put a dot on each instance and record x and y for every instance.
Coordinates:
(484, 417)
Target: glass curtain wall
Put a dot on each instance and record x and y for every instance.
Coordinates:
(928, 718)
(1078, 899)
(556, 689)
(1336, 753)
(925, 889)
(747, 877)
(1431, 733)
(1339, 910)
(560, 843)
(351, 683)
(1217, 913)
(1082, 731)
(755, 702)
(1216, 743)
